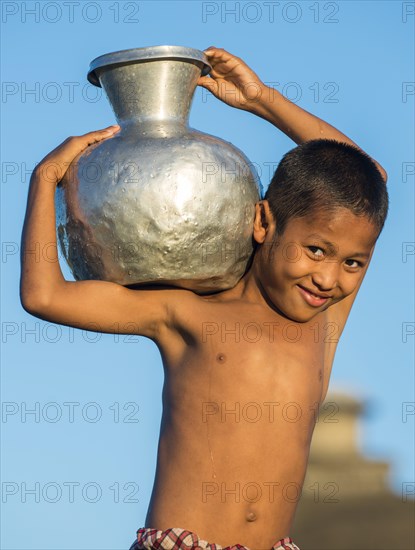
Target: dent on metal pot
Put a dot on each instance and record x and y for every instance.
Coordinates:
(159, 202)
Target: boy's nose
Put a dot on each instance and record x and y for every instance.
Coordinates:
(326, 278)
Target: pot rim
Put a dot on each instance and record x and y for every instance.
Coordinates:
(125, 57)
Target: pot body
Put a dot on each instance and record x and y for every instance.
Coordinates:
(159, 202)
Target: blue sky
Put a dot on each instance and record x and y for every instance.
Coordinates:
(88, 451)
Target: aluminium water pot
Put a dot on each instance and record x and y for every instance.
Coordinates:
(159, 202)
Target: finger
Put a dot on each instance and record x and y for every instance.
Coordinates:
(98, 135)
(205, 80)
(79, 143)
(223, 65)
(208, 83)
(210, 50)
(214, 50)
(218, 54)
(219, 71)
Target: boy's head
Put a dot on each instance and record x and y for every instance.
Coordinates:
(325, 175)
(317, 227)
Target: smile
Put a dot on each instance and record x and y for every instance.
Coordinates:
(314, 300)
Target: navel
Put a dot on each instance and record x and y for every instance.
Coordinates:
(320, 375)
(250, 516)
(221, 358)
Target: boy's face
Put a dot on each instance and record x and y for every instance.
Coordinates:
(318, 261)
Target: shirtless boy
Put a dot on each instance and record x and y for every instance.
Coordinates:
(235, 360)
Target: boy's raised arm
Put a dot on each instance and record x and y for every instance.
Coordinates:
(93, 305)
(233, 82)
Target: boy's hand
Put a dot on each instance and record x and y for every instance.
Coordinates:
(231, 80)
(54, 166)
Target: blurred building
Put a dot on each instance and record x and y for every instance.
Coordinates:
(346, 502)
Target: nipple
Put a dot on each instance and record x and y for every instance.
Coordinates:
(221, 358)
(251, 516)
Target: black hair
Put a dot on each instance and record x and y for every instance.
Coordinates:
(322, 175)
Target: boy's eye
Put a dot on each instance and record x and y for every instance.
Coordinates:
(316, 251)
(353, 263)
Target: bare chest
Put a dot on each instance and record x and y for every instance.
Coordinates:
(243, 359)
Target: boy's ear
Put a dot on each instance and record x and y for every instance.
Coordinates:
(263, 221)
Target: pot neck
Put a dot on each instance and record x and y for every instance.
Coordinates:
(152, 96)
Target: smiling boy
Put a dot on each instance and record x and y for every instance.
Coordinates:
(246, 368)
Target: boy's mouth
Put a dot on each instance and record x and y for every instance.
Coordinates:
(312, 299)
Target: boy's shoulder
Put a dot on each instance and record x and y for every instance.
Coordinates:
(190, 312)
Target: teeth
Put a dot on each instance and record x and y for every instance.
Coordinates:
(314, 295)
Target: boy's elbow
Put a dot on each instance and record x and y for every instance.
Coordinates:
(34, 303)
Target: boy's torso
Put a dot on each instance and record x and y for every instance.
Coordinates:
(241, 394)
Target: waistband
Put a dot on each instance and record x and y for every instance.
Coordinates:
(181, 539)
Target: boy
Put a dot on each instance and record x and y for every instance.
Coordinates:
(246, 368)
